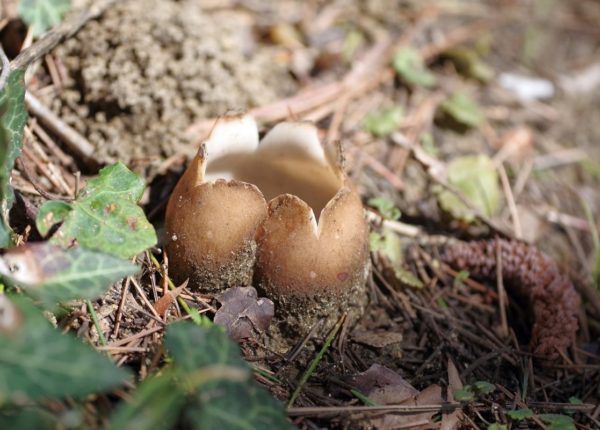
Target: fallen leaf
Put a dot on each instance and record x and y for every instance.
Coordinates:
(377, 339)
(468, 63)
(476, 178)
(163, 304)
(462, 109)
(242, 313)
(431, 395)
(383, 122)
(410, 66)
(452, 420)
(383, 385)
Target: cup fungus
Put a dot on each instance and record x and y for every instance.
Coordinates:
(244, 212)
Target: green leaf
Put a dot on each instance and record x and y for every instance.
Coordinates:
(383, 122)
(407, 278)
(385, 207)
(42, 15)
(363, 398)
(12, 121)
(233, 406)
(50, 214)
(53, 275)
(225, 394)
(28, 418)
(496, 426)
(558, 422)
(105, 216)
(37, 362)
(468, 63)
(155, 405)
(389, 244)
(463, 109)
(476, 178)
(410, 67)
(484, 387)
(575, 400)
(460, 277)
(353, 41)
(464, 394)
(520, 414)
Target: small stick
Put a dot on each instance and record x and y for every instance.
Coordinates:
(70, 137)
(510, 198)
(124, 292)
(64, 159)
(139, 335)
(381, 169)
(145, 299)
(26, 153)
(31, 178)
(501, 291)
(406, 409)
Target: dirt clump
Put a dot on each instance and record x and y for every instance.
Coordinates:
(146, 70)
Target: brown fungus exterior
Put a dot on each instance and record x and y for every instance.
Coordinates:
(314, 275)
(245, 210)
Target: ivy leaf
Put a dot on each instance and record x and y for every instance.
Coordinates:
(12, 121)
(520, 414)
(53, 275)
(42, 15)
(155, 405)
(383, 122)
(37, 362)
(409, 65)
(105, 216)
(51, 213)
(462, 109)
(476, 178)
(225, 394)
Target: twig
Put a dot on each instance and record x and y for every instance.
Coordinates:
(501, 291)
(70, 137)
(138, 335)
(406, 409)
(64, 31)
(124, 292)
(31, 178)
(510, 198)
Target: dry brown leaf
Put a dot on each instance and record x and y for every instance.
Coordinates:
(163, 304)
(242, 313)
(452, 420)
(376, 339)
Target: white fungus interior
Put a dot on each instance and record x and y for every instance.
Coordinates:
(275, 174)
